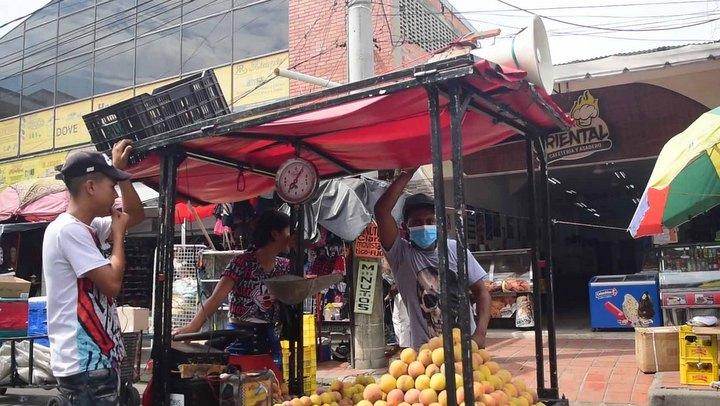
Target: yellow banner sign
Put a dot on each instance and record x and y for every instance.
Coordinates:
(107, 100)
(36, 132)
(250, 77)
(149, 88)
(9, 144)
(69, 126)
(224, 77)
(36, 167)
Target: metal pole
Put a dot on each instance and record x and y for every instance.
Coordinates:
(162, 322)
(360, 40)
(439, 188)
(291, 74)
(533, 235)
(298, 269)
(553, 391)
(457, 112)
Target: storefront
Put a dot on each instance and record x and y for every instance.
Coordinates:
(598, 171)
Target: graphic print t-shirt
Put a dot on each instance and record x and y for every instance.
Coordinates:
(249, 298)
(82, 322)
(418, 281)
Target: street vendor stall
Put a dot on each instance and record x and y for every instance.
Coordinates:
(430, 113)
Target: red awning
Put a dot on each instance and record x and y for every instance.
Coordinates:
(382, 132)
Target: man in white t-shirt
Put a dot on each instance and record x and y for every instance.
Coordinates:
(414, 263)
(82, 281)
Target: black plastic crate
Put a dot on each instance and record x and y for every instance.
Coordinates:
(134, 119)
(195, 98)
(190, 100)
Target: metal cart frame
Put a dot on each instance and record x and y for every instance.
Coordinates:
(129, 372)
(441, 77)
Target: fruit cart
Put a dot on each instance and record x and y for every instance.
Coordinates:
(433, 112)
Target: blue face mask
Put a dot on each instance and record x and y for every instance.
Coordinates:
(423, 236)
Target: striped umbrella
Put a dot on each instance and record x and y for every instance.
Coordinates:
(685, 181)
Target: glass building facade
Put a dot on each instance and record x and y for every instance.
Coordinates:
(72, 57)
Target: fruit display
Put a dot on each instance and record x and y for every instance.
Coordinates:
(418, 379)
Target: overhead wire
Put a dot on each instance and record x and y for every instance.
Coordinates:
(557, 20)
(272, 75)
(101, 51)
(51, 44)
(591, 6)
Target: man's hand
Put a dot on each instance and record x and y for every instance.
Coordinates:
(479, 337)
(119, 224)
(121, 153)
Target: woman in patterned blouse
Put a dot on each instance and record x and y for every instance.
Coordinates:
(244, 278)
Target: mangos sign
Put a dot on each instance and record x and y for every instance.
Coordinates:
(590, 133)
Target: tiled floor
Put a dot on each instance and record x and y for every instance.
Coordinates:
(594, 370)
(589, 370)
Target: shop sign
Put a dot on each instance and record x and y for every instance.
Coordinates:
(254, 81)
(589, 135)
(70, 128)
(100, 102)
(9, 137)
(367, 245)
(36, 132)
(668, 236)
(30, 168)
(367, 276)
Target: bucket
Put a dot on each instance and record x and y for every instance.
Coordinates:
(37, 319)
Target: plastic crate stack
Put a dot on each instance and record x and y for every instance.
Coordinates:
(309, 355)
(187, 101)
(698, 357)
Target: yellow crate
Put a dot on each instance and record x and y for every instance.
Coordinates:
(697, 347)
(698, 373)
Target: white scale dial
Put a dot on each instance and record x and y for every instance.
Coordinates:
(296, 180)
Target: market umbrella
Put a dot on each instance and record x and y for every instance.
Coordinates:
(685, 181)
(34, 200)
(43, 199)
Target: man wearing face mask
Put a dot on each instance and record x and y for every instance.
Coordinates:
(415, 264)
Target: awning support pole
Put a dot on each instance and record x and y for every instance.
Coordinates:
(164, 273)
(443, 269)
(553, 391)
(458, 108)
(536, 276)
(297, 350)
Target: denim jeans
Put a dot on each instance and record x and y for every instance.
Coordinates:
(93, 388)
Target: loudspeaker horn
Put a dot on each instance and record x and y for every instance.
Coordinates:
(528, 51)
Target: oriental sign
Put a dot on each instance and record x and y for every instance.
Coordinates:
(589, 135)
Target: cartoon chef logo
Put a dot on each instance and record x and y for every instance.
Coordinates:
(585, 109)
(590, 133)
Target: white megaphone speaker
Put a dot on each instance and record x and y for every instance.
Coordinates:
(528, 51)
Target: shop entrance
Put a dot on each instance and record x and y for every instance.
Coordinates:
(592, 205)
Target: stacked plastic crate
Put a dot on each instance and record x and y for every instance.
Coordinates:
(698, 355)
(309, 355)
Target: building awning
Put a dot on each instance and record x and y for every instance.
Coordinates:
(235, 157)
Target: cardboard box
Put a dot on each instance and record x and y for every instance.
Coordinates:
(133, 319)
(12, 287)
(657, 349)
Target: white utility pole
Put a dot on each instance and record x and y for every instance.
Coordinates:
(369, 329)
(360, 40)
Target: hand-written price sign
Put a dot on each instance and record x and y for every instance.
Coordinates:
(367, 274)
(367, 245)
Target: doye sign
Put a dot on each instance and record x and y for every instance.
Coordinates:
(367, 276)
(589, 135)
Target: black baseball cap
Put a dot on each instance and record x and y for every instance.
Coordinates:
(416, 201)
(81, 163)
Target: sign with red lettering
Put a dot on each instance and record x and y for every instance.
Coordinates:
(367, 245)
